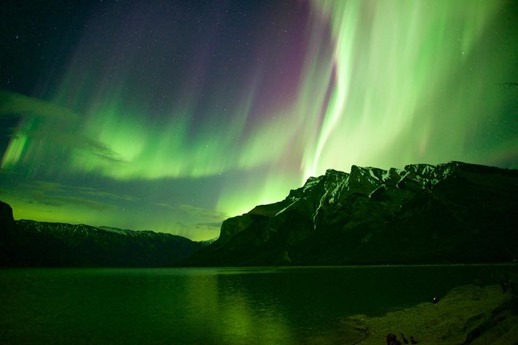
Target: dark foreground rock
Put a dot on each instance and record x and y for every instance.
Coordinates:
(422, 214)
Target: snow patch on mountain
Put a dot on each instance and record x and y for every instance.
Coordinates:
(369, 182)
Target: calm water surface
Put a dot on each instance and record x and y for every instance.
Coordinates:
(209, 305)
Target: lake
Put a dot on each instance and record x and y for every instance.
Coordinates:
(210, 305)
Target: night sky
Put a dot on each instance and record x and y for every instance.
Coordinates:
(174, 115)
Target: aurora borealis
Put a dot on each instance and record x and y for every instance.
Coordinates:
(174, 115)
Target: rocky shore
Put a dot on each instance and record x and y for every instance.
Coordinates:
(466, 315)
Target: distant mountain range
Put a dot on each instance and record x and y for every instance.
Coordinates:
(422, 214)
(31, 243)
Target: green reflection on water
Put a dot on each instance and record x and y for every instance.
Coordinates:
(209, 306)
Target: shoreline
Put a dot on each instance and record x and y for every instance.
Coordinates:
(467, 314)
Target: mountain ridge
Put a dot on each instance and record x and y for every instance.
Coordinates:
(422, 214)
(374, 216)
(33, 243)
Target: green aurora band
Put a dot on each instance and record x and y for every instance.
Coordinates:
(382, 83)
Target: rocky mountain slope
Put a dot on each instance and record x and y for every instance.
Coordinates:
(31, 243)
(449, 213)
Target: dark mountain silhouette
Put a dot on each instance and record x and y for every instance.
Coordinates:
(31, 243)
(422, 214)
(7, 231)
